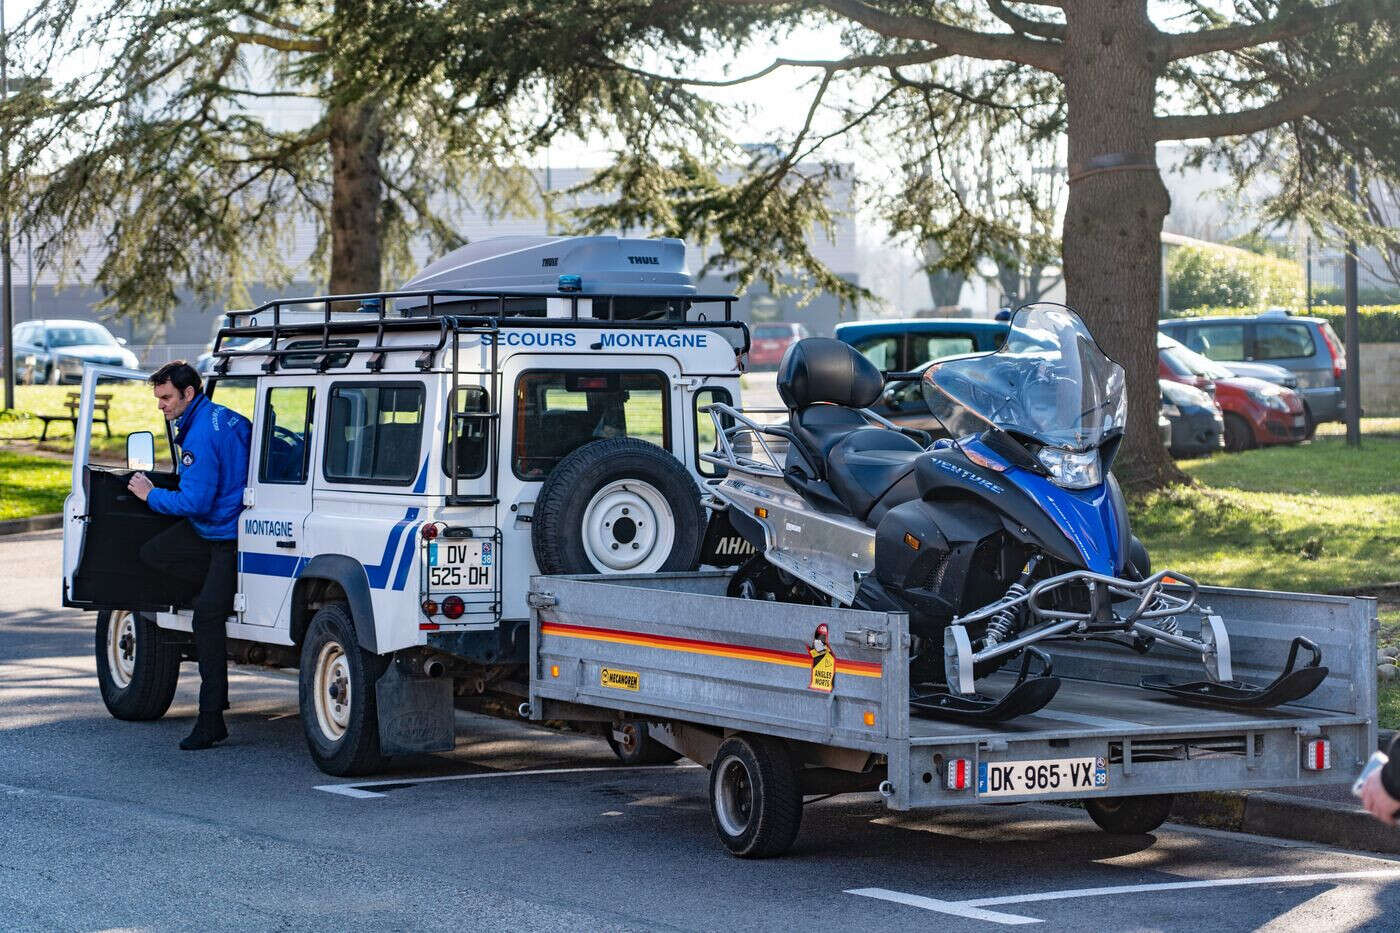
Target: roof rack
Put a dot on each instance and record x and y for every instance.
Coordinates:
(356, 313)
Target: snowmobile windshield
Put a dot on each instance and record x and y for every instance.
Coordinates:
(1049, 382)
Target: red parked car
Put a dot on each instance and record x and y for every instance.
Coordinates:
(770, 341)
(1256, 412)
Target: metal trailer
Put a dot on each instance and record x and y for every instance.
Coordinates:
(737, 685)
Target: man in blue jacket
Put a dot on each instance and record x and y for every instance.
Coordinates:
(201, 550)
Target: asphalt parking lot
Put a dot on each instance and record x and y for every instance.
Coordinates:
(105, 824)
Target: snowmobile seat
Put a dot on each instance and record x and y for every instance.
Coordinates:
(823, 382)
(866, 464)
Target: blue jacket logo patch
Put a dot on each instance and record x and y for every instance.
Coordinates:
(187, 458)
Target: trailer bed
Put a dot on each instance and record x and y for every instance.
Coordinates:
(673, 649)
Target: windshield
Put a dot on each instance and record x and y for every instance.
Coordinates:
(1185, 362)
(76, 335)
(1049, 382)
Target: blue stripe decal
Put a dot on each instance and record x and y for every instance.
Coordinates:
(270, 565)
(379, 573)
(422, 482)
(405, 558)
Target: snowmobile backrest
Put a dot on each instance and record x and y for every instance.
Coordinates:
(823, 369)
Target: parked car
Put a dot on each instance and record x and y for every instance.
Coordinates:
(1196, 426)
(55, 351)
(1255, 412)
(1266, 371)
(1308, 347)
(905, 345)
(770, 341)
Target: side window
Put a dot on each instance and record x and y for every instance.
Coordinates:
(1217, 341)
(286, 436)
(925, 347)
(557, 412)
(374, 432)
(1282, 342)
(882, 351)
(236, 393)
(907, 396)
(705, 440)
(473, 436)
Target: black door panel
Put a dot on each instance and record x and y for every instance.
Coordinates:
(110, 574)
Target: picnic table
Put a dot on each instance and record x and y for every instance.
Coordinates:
(101, 406)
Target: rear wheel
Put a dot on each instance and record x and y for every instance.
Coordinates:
(1238, 435)
(1129, 816)
(755, 798)
(138, 666)
(336, 692)
(632, 743)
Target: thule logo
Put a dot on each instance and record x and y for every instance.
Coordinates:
(644, 260)
(550, 261)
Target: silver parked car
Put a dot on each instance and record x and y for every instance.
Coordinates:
(55, 351)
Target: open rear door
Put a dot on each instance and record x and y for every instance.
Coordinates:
(104, 525)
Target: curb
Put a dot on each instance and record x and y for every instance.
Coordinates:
(18, 526)
(1268, 814)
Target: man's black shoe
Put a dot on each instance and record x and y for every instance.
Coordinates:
(208, 729)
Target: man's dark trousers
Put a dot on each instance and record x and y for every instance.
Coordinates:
(211, 570)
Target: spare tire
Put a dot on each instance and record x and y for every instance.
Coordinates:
(618, 506)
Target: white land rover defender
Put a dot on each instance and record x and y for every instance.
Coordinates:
(524, 405)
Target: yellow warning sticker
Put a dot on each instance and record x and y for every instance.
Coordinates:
(823, 670)
(621, 680)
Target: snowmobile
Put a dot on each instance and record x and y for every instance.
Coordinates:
(999, 540)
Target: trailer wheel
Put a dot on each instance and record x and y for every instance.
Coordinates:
(1129, 816)
(336, 693)
(755, 798)
(138, 666)
(635, 746)
(618, 506)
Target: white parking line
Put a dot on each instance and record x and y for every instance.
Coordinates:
(359, 789)
(973, 908)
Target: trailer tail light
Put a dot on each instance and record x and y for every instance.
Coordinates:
(959, 774)
(1317, 755)
(453, 607)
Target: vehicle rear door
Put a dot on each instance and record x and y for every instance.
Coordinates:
(271, 540)
(105, 525)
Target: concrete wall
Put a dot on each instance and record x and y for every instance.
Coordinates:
(1380, 378)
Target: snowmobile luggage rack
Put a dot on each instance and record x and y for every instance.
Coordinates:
(320, 332)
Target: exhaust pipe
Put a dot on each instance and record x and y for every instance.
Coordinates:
(434, 668)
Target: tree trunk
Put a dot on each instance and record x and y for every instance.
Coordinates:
(356, 140)
(945, 288)
(1113, 219)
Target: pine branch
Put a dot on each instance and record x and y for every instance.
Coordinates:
(1300, 103)
(1290, 25)
(852, 63)
(1033, 27)
(276, 42)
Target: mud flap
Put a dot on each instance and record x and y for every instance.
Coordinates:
(1293, 684)
(415, 713)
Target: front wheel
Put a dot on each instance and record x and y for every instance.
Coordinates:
(336, 691)
(138, 666)
(1129, 816)
(1238, 434)
(755, 797)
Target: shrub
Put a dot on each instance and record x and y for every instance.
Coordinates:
(1230, 277)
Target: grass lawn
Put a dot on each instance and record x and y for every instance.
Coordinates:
(31, 485)
(1315, 518)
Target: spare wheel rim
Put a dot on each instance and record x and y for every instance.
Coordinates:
(733, 796)
(331, 688)
(628, 527)
(121, 648)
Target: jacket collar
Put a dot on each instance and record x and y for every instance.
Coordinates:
(182, 423)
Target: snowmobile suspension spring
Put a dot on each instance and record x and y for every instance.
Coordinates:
(1168, 624)
(1003, 624)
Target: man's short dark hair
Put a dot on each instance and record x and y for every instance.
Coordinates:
(179, 374)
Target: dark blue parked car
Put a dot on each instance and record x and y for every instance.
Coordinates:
(905, 345)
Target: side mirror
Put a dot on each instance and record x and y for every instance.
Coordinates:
(121, 340)
(141, 451)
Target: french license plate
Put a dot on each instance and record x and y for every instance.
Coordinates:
(1041, 776)
(461, 565)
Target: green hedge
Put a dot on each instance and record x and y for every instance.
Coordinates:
(1379, 323)
(1197, 276)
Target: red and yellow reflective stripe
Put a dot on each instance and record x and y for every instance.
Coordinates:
(711, 648)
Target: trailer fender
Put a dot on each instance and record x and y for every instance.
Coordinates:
(346, 573)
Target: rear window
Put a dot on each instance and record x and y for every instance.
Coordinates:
(557, 412)
(1282, 341)
(926, 347)
(374, 432)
